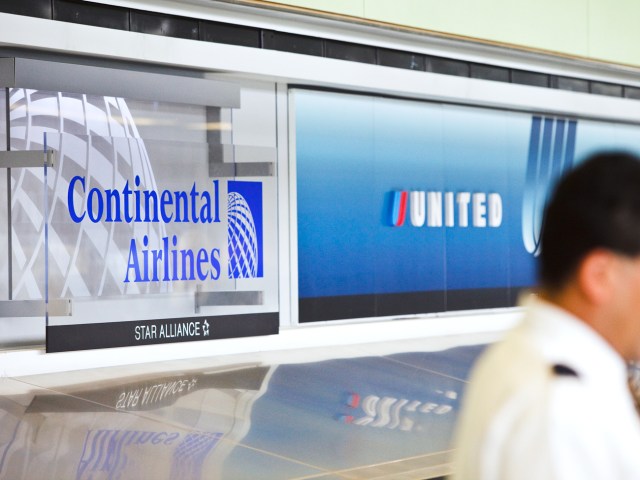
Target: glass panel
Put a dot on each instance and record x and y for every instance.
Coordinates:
(116, 217)
(137, 229)
(31, 116)
(27, 203)
(22, 249)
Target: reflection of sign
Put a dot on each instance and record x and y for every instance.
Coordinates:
(150, 394)
(406, 404)
(397, 413)
(189, 413)
(245, 229)
(106, 452)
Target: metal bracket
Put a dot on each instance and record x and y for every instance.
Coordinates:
(229, 161)
(27, 158)
(60, 307)
(211, 299)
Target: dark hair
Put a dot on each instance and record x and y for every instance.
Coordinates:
(596, 205)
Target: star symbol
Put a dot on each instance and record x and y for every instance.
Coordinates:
(205, 330)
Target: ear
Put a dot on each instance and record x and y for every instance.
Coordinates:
(596, 277)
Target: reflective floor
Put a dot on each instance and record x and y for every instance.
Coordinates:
(366, 411)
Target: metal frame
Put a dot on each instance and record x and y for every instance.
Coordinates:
(85, 79)
(223, 161)
(27, 158)
(59, 307)
(234, 298)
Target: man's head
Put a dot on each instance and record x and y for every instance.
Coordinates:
(590, 247)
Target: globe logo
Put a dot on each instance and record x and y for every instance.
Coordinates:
(243, 239)
(552, 145)
(95, 137)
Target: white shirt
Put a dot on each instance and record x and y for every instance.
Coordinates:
(522, 421)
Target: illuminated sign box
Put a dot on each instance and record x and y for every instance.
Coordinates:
(408, 207)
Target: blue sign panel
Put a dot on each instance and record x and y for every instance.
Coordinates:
(245, 229)
(412, 207)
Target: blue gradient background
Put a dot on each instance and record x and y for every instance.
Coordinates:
(352, 151)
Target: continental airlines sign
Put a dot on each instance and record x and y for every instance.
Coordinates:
(170, 262)
(132, 227)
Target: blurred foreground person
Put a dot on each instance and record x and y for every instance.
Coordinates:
(551, 401)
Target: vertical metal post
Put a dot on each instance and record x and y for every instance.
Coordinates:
(46, 237)
(213, 119)
(10, 233)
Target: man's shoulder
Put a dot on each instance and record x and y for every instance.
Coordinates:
(516, 357)
(514, 379)
(505, 410)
